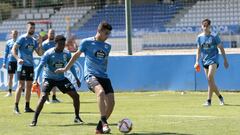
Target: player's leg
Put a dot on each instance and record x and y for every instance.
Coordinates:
(54, 97)
(47, 87)
(29, 80)
(212, 72)
(210, 92)
(10, 82)
(18, 95)
(38, 110)
(67, 87)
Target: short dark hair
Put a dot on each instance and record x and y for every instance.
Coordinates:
(104, 25)
(60, 38)
(31, 23)
(206, 20)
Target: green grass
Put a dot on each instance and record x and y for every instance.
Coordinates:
(152, 113)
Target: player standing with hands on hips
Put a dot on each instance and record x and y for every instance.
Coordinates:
(207, 47)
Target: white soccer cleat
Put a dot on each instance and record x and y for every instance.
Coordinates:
(106, 129)
(207, 103)
(8, 95)
(221, 102)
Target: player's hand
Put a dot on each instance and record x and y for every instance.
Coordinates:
(20, 61)
(226, 65)
(196, 65)
(4, 65)
(35, 82)
(78, 83)
(60, 70)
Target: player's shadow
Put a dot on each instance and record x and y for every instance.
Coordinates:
(159, 133)
(231, 105)
(70, 113)
(89, 102)
(85, 124)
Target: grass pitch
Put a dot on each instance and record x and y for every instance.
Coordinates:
(152, 113)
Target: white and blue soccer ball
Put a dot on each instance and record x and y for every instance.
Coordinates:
(125, 125)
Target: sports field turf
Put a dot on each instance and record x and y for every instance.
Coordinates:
(152, 113)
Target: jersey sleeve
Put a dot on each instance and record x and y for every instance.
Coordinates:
(20, 41)
(198, 41)
(82, 46)
(218, 40)
(6, 52)
(35, 44)
(43, 61)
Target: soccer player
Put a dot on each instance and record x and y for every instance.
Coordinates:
(96, 52)
(25, 45)
(52, 59)
(208, 45)
(12, 63)
(47, 44)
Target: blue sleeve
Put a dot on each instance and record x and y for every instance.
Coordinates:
(6, 52)
(198, 42)
(20, 41)
(218, 40)
(40, 66)
(82, 46)
(35, 44)
(73, 70)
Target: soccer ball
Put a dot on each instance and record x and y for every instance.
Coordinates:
(125, 125)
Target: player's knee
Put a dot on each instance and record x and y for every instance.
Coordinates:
(100, 93)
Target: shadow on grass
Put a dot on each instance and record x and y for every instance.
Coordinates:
(160, 133)
(90, 102)
(231, 105)
(85, 124)
(70, 112)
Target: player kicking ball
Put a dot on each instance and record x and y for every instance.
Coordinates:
(53, 59)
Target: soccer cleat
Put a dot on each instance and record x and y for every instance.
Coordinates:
(33, 124)
(28, 110)
(56, 101)
(106, 129)
(207, 103)
(221, 101)
(16, 110)
(78, 120)
(99, 131)
(8, 95)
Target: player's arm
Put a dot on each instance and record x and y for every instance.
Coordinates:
(14, 53)
(224, 55)
(39, 68)
(39, 50)
(5, 57)
(197, 56)
(73, 70)
(70, 63)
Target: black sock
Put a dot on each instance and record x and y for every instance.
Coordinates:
(16, 105)
(99, 125)
(54, 97)
(209, 100)
(10, 90)
(220, 97)
(23, 90)
(27, 105)
(35, 117)
(104, 119)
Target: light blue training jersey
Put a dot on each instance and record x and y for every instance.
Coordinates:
(26, 45)
(47, 44)
(96, 57)
(53, 60)
(7, 53)
(208, 45)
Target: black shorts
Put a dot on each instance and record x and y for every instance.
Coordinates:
(26, 73)
(207, 66)
(12, 67)
(93, 81)
(63, 85)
